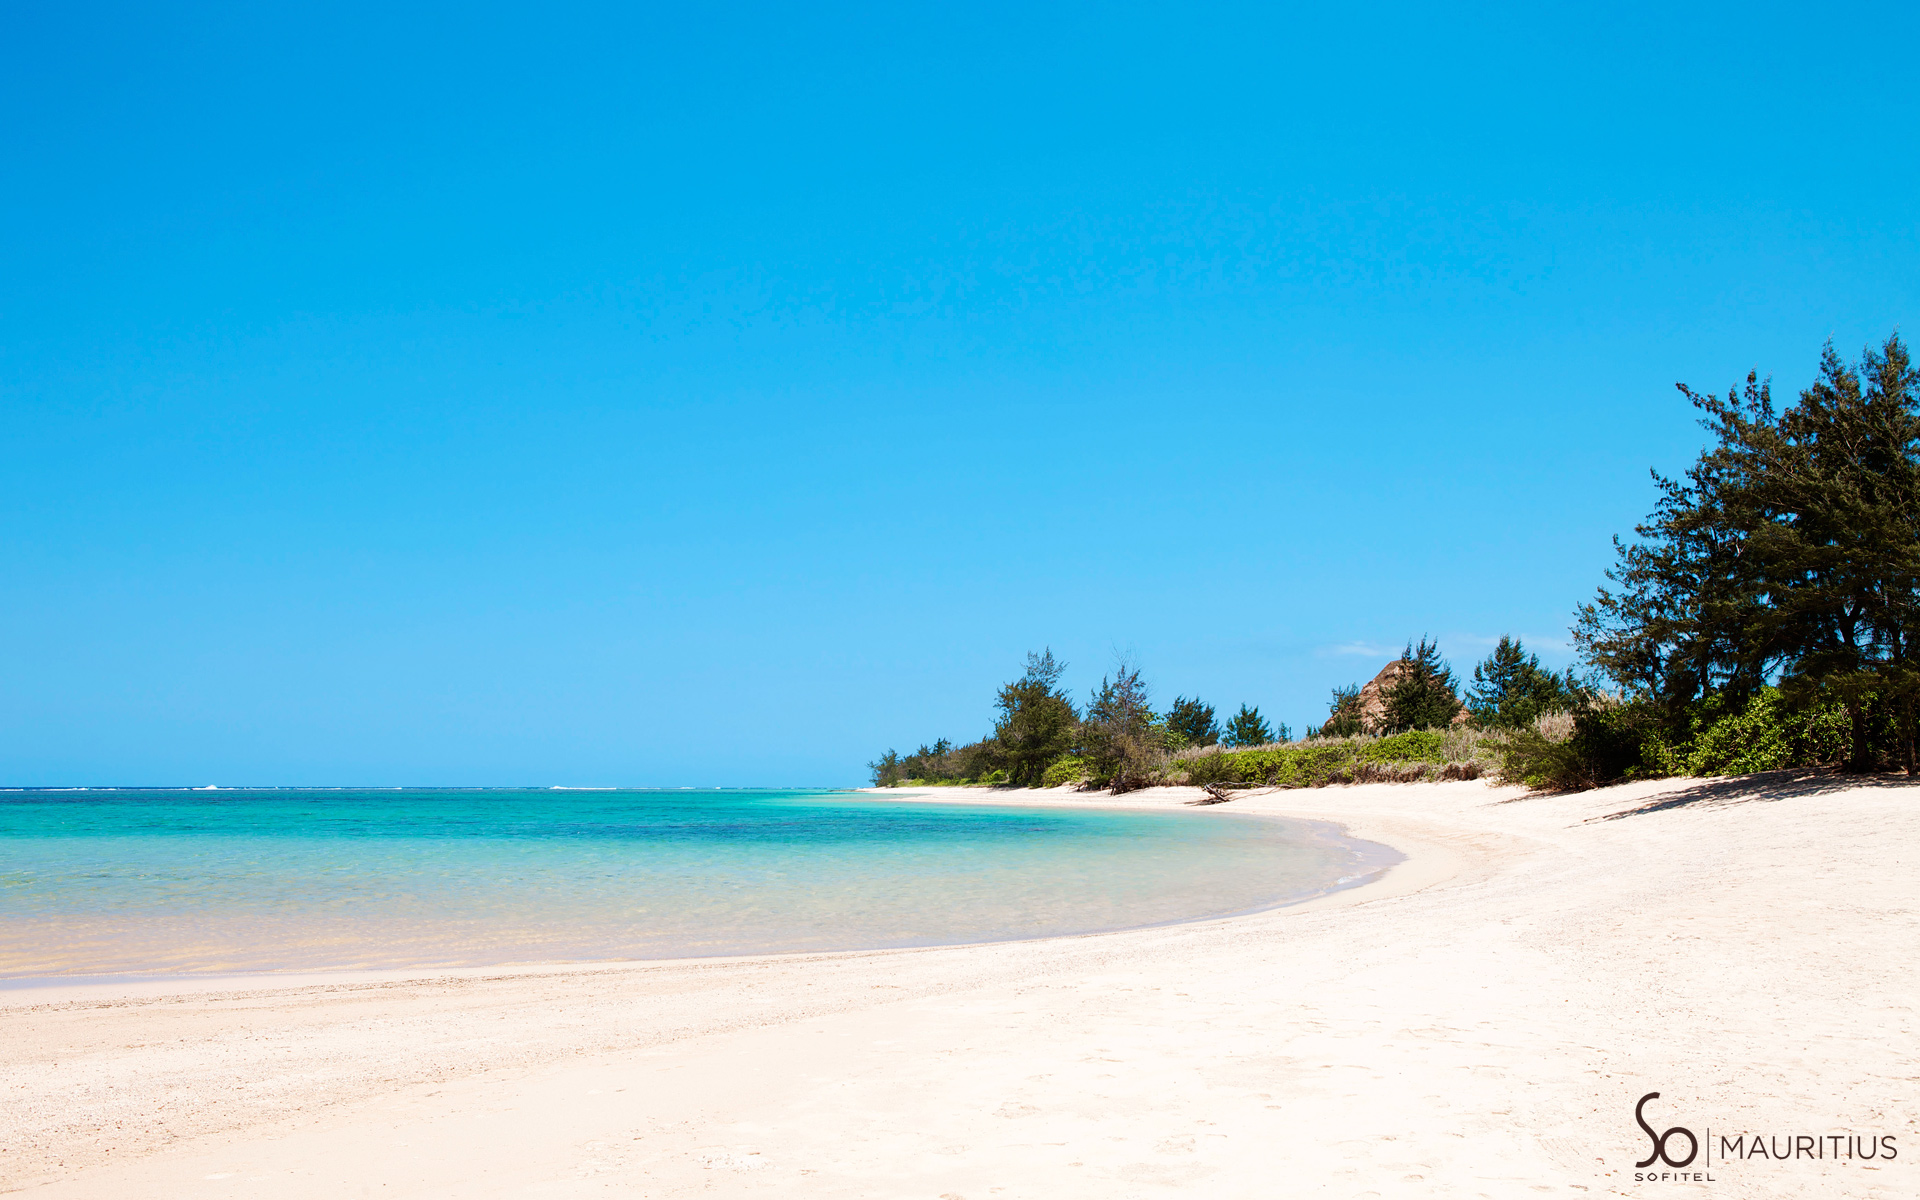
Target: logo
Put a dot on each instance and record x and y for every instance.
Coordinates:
(1661, 1149)
(1678, 1147)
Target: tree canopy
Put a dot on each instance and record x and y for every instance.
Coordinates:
(1344, 718)
(1037, 722)
(1191, 723)
(1765, 614)
(1423, 695)
(1120, 737)
(1248, 728)
(1510, 688)
(1789, 550)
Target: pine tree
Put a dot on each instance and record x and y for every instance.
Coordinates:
(931, 762)
(1343, 713)
(1511, 688)
(1248, 728)
(1037, 722)
(1833, 505)
(1122, 742)
(1423, 696)
(1191, 723)
(1790, 549)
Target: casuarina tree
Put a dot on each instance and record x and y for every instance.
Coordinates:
(885, 770)
(1248, 728)
(1789, 550)
(1343, 713)
(1123, 743)
(1190, 723)
(1422, 696)
(1511, 688)
(930, 762)
(1037, 722)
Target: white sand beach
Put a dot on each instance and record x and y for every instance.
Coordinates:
(1481, 1022)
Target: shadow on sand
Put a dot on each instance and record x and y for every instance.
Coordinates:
(1762, 786)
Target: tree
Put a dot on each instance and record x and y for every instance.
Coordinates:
(1343, 713)
(1123, 744)
(1673, 631)
(930, 762)
(1511, 688)
(886, 770)
(1191, 723)
(1791, 549)
(1037, 722)
(1831, 518)
(1248, 728)
(1423, 694)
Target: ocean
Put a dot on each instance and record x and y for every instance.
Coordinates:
(118, 882)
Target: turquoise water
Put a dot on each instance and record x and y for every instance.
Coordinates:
(115, 882)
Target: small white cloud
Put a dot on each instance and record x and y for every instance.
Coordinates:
(1552, 647)
(1362, 650)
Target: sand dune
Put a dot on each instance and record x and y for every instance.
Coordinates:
(1481, 1022)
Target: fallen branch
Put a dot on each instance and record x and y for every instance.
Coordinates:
(1216, 794)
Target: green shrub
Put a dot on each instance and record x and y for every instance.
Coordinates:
(1623, 741)
(1420, 745)
(1771, 732)
(1068, 768)
(1823, 734)
(1405, 757)
(1639, 741)
(1529, 758)
(1607, 742)
(1756, 738)
(1213, 768)
(1315, 764)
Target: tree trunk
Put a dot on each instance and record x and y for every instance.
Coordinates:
(1906, 734)
(1859, 760)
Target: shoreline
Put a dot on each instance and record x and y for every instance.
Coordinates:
(1424, 861)
(1485, 1014)
(27, 990)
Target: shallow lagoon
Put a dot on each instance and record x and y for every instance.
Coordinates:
(182, 882)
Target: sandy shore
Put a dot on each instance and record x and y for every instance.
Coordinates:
(1480, 1022)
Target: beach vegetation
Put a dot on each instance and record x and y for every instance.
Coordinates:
(941, 763)
(1249, 728)
(1415, 691)
(1412, 756)
(941, 760)
(1786, 558)
(886, 770)
(1564, 752)
(1765, 615)
(1041, 739)
(1608, 740)
(1191, 723)
(1037, 722)
(1123, 742)
(1423, 694)
(1511, 689)
(1344, 717)
(1065, 771)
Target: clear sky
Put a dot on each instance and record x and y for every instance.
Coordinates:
(676, 394)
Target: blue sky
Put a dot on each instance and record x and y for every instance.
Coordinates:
(639, 395)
